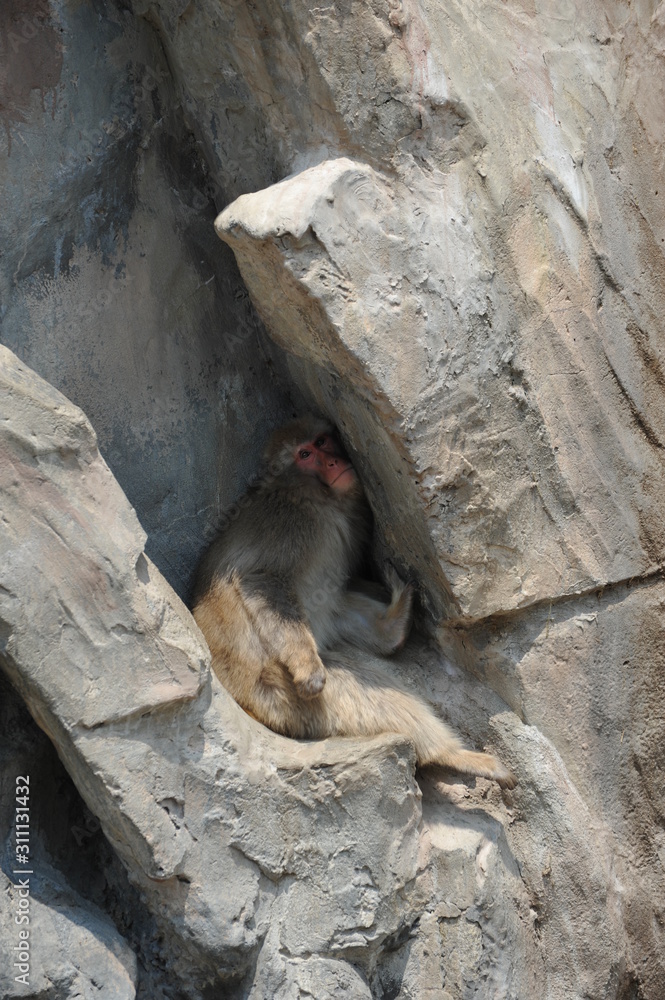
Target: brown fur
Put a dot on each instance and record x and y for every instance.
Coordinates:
(275, 593)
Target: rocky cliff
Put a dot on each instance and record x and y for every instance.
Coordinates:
(441, 225)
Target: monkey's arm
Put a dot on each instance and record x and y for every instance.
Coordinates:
(371, 624)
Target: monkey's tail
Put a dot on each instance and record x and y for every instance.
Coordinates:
(360, 699)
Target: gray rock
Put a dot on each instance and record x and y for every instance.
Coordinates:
(111, 282)
(347, 272)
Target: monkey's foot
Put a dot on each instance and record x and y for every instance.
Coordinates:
(481, 764)
(507, 779)
(496, 770)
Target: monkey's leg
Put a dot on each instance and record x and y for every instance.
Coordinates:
(259, 655)
(287, 639)
(362, 700)
(369, 623)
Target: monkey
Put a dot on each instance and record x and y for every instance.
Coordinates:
(286, 619)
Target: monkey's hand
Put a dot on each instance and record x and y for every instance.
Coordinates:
(368, 622)
(395, 623)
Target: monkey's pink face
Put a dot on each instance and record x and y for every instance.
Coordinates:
(324, 458)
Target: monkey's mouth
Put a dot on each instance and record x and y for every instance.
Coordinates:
(339, 475)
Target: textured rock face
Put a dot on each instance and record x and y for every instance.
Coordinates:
(112, 284)
(449, 218)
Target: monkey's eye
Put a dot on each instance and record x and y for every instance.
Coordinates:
(319, 443)
(305, 454)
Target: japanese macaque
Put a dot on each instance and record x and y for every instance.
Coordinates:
(278, 604)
